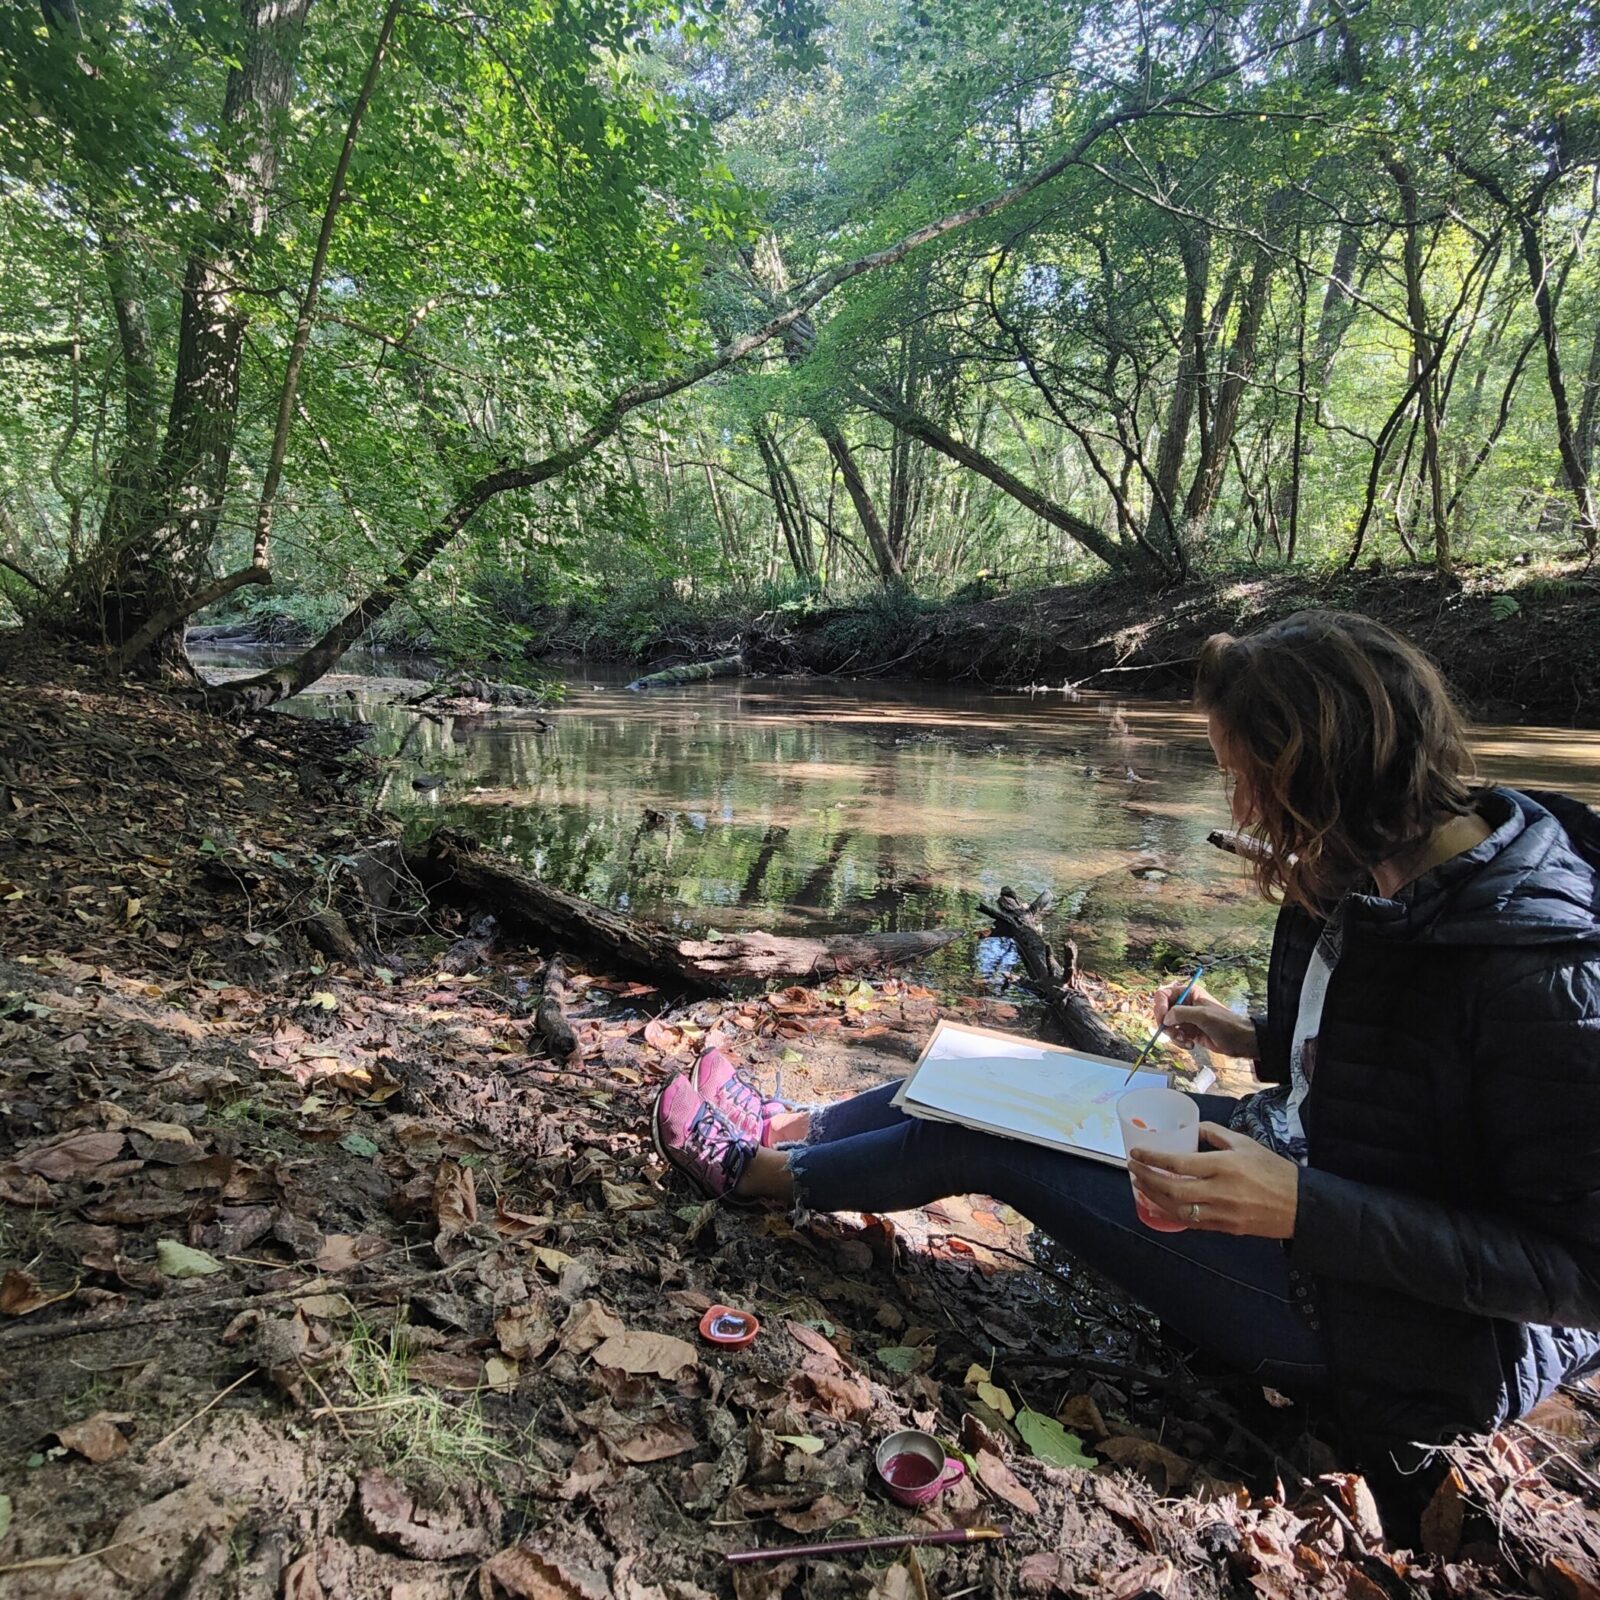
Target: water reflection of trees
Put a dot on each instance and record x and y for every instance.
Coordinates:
(778, 815)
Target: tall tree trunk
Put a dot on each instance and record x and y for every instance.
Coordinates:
(791, 511)
(1424, 355)
(1528, 217)
(151, 559)
(1195, 253)
(1231, 382)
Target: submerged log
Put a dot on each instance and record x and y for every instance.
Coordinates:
(453, 865)
(695, 672)
(1052, 980)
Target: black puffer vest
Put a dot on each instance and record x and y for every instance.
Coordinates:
(1450, 1210)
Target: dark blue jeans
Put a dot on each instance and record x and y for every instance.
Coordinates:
(1231, 1296)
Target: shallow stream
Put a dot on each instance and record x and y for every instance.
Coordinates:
(821, 806)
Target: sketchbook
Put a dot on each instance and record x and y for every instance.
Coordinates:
(1039, 1093)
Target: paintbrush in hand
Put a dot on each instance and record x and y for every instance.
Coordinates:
(1161, 1027)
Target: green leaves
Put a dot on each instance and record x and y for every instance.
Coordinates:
(179, 1261)
(1051, 1443)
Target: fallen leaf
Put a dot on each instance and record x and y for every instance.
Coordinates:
(179, 1261)
(663, 1354)
(523, 1573)
(342, 1251)
(814, 1342)
(5, 1515)
(524, 1332)
(97, 1438)
(806, 1443)
(465, 1522)
(588, 1324)
(73, 1156)
(1051, 1443)
(823, 1512)
(441, 1369)
(20, 1293)
(149, 1544)
(996, 1399)
(1160, 1467)
(999, 1480)
(661, 1437)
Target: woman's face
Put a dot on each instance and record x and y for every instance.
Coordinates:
(1238, 799)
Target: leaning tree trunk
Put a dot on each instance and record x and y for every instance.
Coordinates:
(450, 865)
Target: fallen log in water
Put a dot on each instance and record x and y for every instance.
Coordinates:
(695, 672)
(451, 864)
(1054, 982)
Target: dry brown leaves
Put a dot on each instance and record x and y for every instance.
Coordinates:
(641, 1352)
(526, 1573)
(464, 1522)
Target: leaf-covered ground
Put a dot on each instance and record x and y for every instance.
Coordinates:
(322, 1279)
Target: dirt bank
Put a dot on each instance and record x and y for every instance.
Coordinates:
(1527, 652)
(319, 1278)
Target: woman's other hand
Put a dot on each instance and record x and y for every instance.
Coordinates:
(1203, 1019)
(1240, 1186)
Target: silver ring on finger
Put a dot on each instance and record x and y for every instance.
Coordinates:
(1194, 1214)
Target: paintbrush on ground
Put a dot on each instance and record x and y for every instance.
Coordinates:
(888, 1541)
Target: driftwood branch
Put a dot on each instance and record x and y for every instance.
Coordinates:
(1052, 980)
(733, 666)
(452, 866)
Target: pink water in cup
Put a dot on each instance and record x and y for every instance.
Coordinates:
(914, 1467)
(1164, 1122)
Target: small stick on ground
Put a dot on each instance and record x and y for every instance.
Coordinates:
(216, 1399)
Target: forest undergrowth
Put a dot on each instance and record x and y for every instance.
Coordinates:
(321, 1278)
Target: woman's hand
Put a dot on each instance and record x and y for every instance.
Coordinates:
(1203, 1019)
(1239, 1185)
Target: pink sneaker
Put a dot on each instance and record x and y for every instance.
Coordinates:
(718, 1082)
(696, 1138)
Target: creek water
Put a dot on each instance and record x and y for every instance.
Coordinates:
(824, 806)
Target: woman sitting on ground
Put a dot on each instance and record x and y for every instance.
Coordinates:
(1409, 1220)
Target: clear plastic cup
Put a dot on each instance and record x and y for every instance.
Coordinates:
(1165, 1122)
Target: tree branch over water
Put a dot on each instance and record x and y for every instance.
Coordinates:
(292, 677)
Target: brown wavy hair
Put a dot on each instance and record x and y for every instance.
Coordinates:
(1345, 744)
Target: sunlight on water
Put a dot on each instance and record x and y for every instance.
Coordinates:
(819, 806)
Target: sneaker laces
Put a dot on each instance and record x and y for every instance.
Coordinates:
(714, 1142)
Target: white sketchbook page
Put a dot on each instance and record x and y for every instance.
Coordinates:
(1021, 1089)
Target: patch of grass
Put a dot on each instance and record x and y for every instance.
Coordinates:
(416, 1427)
(246, 1113)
